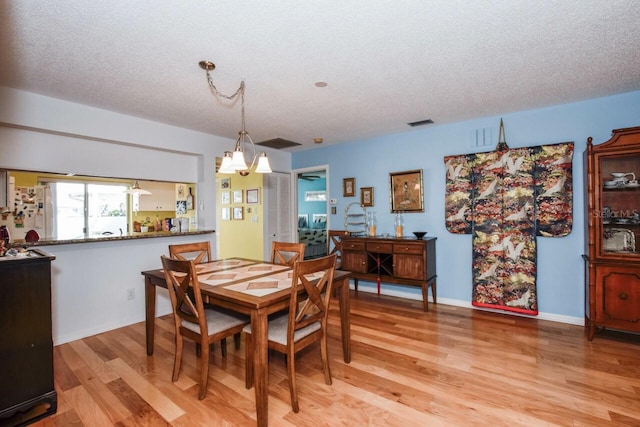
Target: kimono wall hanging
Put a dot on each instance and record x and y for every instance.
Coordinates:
(505, 199)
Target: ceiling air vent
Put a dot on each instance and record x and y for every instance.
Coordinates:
(278, 143)
(420, 123)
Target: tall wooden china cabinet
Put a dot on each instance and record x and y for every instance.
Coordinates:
(27, 392)
(613, 232)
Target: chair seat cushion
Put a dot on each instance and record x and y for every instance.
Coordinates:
(217, 321)
(278, 329)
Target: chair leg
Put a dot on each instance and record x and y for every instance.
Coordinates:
(248, 361)
(325, 359)
(223, 347)
(177, 360)
(236, 340)
(291, 370)
(204, 369)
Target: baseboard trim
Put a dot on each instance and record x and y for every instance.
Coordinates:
(398, 291)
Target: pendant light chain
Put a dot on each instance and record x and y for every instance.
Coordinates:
(235, 161)
(240, 90)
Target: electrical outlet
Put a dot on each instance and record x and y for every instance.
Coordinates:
(131, 293)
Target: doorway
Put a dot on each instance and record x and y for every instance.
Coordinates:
(311, 209)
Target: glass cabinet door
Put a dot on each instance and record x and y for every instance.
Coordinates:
(619, 210)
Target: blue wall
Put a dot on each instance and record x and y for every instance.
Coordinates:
(560, 266)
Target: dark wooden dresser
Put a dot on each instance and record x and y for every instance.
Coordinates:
(402, 261)
(26, 345)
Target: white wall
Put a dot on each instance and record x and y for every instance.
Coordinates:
(90, 280)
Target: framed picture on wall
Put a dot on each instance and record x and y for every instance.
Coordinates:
(237, 196)
(181, 207)
(303, 220)
(348, 187)
(253, 195)
(366, 196)
(238, 212)
(406, 191)
(319, 219)
(225, 183)
(225, 214)
(225, 197)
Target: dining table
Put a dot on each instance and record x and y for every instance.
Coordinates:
(257, 289)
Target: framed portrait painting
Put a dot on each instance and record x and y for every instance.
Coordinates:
(406, 191)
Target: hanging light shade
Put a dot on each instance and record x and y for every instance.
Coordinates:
(263, 164)
(225, 166)
(137, 190)
(236, 162)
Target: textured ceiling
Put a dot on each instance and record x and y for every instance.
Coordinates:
(386, 63)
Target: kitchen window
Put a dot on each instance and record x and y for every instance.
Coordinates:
(80, 210)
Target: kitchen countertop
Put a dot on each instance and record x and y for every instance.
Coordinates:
(127, 236)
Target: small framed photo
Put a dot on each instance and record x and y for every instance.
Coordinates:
(225, 183)
(406, 191)
(319, 219)
(226, 214)
(225, 198)
(303, 220)
(366, 196)
(181, 207)
(253, 195)
(237, 196)
(348, 187)
(238, 212)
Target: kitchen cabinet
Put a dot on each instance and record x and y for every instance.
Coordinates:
(613, 233)
(26, 344)
(162, 197)
(402, 261)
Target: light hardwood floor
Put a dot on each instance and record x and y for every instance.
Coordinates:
(451, 366)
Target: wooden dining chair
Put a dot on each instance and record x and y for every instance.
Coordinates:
(199, 252)
(334, 238)
(304, 324)
(286, 253)
(192, 320)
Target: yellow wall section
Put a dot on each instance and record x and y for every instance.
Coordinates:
(240, 238)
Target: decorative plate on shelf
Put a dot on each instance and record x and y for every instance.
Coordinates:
(619, 240)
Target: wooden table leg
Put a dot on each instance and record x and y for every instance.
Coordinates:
(260, 366)
(345, 318)
(150, 305)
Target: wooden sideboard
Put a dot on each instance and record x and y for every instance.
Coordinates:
(402, 261)
(26, 345)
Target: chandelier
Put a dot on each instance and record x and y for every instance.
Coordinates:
(233, 162)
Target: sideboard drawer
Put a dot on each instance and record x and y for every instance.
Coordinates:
(379, 247)
(408, 248)
(353, 246)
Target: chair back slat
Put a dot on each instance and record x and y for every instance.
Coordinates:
(311, 305)
(286, 253)
(184, 291)
(199, 252)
